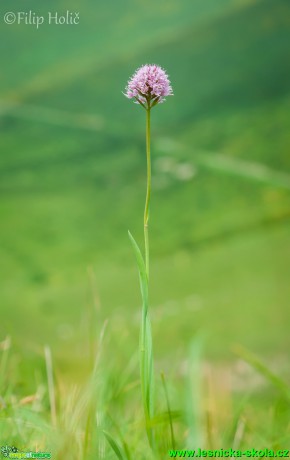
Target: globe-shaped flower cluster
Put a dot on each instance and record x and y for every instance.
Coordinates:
(149, 86)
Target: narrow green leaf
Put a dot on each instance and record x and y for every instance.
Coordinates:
(142, 273)
(194, 411)
(149, 367)
(146, 352)
(116, 448)
(164, 417)
(255, 362)
(169, 410)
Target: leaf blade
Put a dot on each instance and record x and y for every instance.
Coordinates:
(114, 445)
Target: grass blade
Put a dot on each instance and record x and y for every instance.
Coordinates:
(115, 446)
(146, 349)
(169, 411)
(51, 390)
(194, 411)
(259, 366)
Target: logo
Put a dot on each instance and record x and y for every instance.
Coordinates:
(5, 450)
(13, 452)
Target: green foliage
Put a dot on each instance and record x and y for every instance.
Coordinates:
(263, 369)
(145, 351)
(116, 448)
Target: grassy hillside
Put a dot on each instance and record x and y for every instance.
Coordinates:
(72, 175)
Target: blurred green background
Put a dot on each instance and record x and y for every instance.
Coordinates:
(73, 173)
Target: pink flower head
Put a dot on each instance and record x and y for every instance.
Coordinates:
(149, 86)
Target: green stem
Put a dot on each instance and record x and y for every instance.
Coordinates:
(168, 411)
(146, 322)
(148, 194)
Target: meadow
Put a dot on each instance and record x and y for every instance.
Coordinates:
(72, 182)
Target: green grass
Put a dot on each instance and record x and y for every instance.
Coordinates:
(72, 182)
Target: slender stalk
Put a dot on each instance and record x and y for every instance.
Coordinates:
(5, 346)
(51, 389)
(142, 87)
(168, 410)
(146, 346)
(148, 193)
